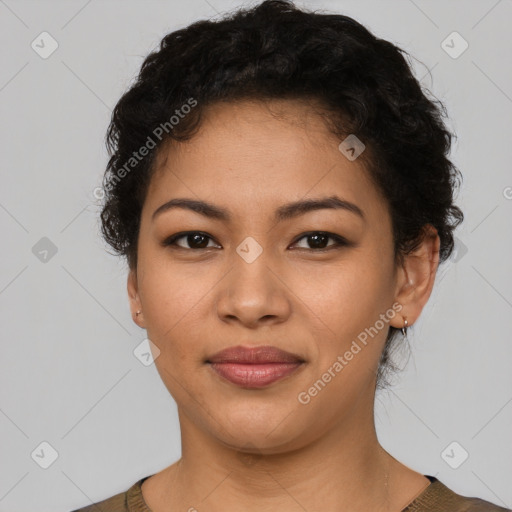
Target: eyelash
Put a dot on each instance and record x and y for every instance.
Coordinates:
(339, 241)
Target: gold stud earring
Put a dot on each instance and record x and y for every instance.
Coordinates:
(137, 313)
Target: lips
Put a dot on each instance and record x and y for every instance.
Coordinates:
(254, 367)
(263, 354)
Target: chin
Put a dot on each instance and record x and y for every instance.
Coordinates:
(248, 428)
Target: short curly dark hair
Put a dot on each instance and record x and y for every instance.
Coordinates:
(276, 51)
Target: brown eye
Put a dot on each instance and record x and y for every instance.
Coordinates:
(194, 239)
(318, 241)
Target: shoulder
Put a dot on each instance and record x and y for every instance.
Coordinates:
(127, 501)
(479, 505)
(117, 503)
(440, 498)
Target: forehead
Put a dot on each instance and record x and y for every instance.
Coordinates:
(238, 129)
(255, 152)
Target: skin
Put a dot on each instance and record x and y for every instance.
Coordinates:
(258, 450)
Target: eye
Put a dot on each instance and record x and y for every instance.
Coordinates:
(198, 240)
(195, 239)
(318, 241)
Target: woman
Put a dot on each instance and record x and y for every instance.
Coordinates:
(280, 187)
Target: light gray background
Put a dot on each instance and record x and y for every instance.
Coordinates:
(68, 373)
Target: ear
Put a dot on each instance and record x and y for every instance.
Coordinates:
(416, 278)
(135, 302)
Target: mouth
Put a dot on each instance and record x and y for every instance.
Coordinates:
(254, 367)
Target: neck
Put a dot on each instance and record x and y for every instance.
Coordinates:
(345, 465)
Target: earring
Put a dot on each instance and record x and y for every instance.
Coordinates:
(137, 313)
(404, 328)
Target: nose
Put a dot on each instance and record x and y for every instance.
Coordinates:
(254, 294)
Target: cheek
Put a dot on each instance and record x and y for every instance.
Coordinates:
(346, 293)
(170, 290)
(173, 298)
(344, 306)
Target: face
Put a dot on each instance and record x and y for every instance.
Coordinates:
(314, 282)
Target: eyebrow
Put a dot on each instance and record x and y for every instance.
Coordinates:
(284, 212)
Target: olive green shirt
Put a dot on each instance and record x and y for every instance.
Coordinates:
(435, 498)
